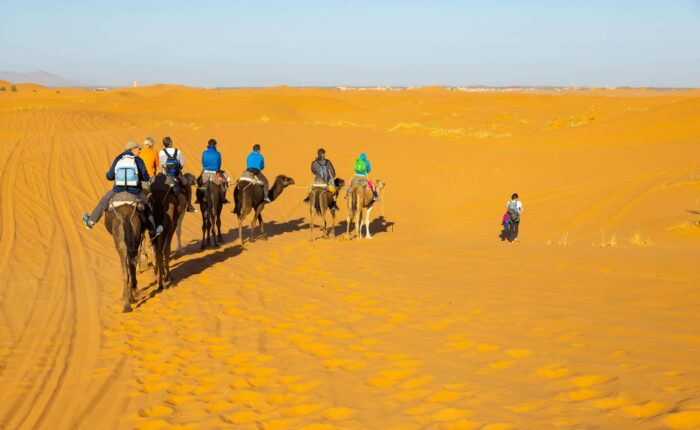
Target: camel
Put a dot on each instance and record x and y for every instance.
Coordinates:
(320, 199)
(211, 203)
(168, 209)
(248, 197)
(360, 199)
(125, 225)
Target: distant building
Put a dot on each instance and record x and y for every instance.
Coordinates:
(136, 84)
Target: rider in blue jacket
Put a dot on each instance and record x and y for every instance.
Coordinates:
(255, 163)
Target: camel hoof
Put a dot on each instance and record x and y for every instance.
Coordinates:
(263, 238)
(127, 309)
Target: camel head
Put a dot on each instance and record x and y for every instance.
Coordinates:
(191, 180)
(379, 184)
(339, 183)
(285, 181)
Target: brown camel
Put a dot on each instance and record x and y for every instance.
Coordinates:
(125, 225)
(360, 200)
(248, 197)
(168, 208)
(320, 200)
(211, 202)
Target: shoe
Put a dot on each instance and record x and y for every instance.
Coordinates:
(158, 231)
(267, 200)
(191, 209)
(86, 219)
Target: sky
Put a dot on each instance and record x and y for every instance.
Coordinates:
(366, 43)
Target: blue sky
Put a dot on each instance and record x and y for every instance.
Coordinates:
(327, 43)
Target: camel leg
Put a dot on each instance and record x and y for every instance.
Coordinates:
(262, 227)
(204, 230)
(312, 203)
(218, 224)
(369, 210)
(128, 294)
(179, 233)
(333, 224)
(240, 230)
(358, 218)
(166, 261)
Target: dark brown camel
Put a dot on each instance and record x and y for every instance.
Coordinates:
(360, 199)
(125, 225)
(167, 210)
(211, 202)
(320, 201)
(248, 197)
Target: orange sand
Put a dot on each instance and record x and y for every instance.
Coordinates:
(591, 321)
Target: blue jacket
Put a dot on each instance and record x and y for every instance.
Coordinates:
(211, 160)
(143, 174)
(255, 161)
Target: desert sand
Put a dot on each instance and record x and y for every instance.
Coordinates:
(590, 321)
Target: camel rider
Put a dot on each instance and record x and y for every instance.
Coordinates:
(362, 169)
(255, 163)
(149, 157)
(172, 161)
(211, 167)
(515, 209)
(324, 173)
(128, 172)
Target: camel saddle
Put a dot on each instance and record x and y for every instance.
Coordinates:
(125, 198)
(247, 176)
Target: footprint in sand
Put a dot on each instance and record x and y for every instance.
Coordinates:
(646, 410)
(608, 403)
(553, 372)
(155, 411)
(579, 395)
(587, 381)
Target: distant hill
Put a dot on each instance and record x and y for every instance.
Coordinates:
(41, 77)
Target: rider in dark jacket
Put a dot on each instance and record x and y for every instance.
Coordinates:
(324, 172)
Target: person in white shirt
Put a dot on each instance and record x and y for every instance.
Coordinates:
(172, 162)
(515, 208)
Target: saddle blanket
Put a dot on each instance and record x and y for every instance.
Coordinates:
(249, 177)
(124, 198)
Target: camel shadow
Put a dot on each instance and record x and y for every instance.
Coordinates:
(185, 269)
(272, 229)
(376, 226)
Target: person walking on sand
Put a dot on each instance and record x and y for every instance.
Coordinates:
(149, 156)
(173, 162)
(255, 164)
(127, 172)
(515, 209)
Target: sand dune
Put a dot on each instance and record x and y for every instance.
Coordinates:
(590, 321)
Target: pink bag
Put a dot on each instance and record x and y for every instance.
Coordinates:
(506, 219)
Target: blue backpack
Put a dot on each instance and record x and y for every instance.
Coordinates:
(172, 164)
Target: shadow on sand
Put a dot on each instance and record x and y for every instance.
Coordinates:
(179, 271)
(377, 226)
(272, 229)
